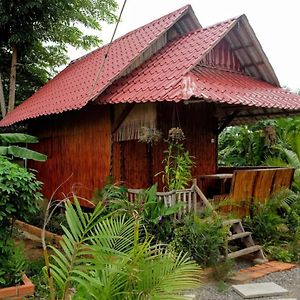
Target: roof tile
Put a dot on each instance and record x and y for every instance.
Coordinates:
(75, 85)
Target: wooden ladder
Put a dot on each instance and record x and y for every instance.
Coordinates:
(238, 236)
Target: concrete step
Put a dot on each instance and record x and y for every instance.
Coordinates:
(262, 289)
(239, 235)
(245, 251)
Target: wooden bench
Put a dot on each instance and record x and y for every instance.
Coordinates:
(256, 184)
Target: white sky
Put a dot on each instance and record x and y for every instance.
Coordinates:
(276, 24)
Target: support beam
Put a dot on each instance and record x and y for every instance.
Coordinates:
(227, 121)
(122, 117)
(242, 47)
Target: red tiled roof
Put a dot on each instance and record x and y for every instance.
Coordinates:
(232, 88)
(172, 74)
(160, 77)
(74, 86)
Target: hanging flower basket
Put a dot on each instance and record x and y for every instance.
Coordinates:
(19, 291)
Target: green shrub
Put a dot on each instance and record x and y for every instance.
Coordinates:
(34, 270)
(155, 216)
(264, 224)
(12, 264)
(19, 197)
(279, 253)
(203, 239)
(276, 225)
(101, 257)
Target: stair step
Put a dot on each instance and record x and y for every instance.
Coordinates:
(231, 222)
(244, 251)
(239, 235)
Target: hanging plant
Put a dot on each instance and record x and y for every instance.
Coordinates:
(176, 135)
(149, 135)
(178, 162)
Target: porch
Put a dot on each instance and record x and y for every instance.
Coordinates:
(240, 186)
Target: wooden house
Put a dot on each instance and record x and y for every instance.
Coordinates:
(168, 73)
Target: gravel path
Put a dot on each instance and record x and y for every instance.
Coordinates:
(289, 280)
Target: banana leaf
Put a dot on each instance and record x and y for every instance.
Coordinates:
(13, 138)
(22, 152)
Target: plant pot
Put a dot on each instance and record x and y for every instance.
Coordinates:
(19, 291)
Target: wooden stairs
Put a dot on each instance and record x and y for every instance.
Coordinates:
(240, 242)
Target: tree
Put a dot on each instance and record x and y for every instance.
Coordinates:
(34, 35)
(247, 145)
(288, 147)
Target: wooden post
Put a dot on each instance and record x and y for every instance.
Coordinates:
(204, 199)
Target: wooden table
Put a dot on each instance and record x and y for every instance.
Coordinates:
(223, 177)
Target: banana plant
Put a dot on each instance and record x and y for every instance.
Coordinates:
(103, 258)
(7, 147)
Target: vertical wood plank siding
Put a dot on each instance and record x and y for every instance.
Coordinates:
(77, 143)
(199, 126)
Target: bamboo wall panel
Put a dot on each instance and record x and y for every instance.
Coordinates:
(142, 162)
(199, 126)
(78, 146)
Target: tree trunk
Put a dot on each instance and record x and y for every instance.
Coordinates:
(12, 82)
(2, 100)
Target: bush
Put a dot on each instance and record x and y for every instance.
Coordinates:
(276, 225)
(157, 219)
(101, 257)
(264, 224)
(12, 265)
(19, 197)
(203, 239)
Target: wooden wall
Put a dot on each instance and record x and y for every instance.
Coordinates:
(78, 146)
(136, 163)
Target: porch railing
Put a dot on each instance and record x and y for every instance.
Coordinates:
(193, 198)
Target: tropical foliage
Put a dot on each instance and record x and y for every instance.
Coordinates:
(19, 198)
(104, 257)
(203, 238)
(158, 219)
(177, 162)
(276, 225)
(247, 145)
(9, 149)
(288, 155)
(252, 145)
